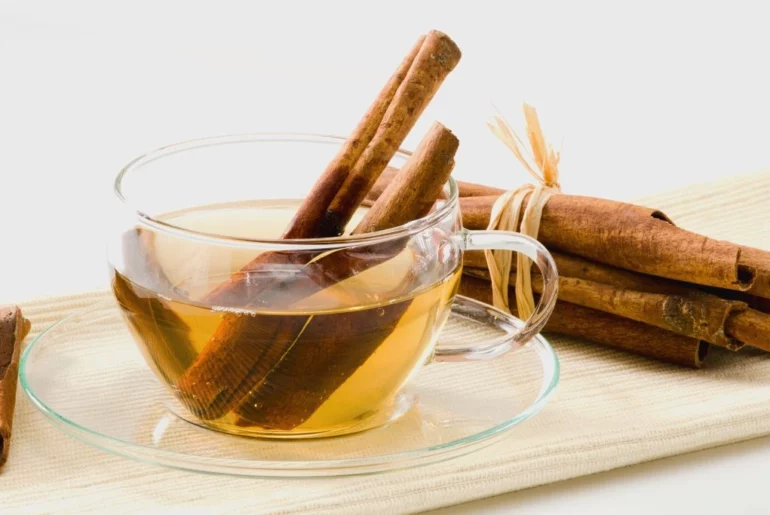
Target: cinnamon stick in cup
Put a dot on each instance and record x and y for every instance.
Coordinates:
(13, 328)
(308, 221)
(465, 189)
(363, 157)
(421, 180)
(322, 357)
(240, 342)
(609, 330)
(437, 57)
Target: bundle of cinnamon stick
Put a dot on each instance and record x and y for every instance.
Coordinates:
(631, 279)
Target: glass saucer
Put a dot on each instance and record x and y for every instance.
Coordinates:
(87, 376)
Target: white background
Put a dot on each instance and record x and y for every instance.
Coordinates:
(640, 98)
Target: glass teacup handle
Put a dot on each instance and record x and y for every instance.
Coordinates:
(515, 333)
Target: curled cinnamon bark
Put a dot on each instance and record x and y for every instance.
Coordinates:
(630, 237)
(13, 328)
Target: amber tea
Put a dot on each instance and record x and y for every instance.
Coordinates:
(319, 358)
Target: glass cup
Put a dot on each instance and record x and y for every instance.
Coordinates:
(260, 336)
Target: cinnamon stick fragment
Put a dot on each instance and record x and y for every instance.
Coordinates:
(214, 383)
(323, 357)
(609, 330)
(13, 328)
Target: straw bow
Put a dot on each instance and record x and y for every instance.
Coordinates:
(521, 209)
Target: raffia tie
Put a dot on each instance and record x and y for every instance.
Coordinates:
(510, 214)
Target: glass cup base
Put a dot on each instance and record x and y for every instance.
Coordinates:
(392, 411)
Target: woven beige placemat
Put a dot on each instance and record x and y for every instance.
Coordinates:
(611, 410)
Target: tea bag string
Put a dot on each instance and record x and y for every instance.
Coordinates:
(510, 214)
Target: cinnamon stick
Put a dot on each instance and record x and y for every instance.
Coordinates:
(693, 313)
(13, 328)
(609, 330)
(466, 189)
(632, 237)
(639, 239)
(323, 357)
(338, 193)
(716, 316)
(438, 56)
(214, 383)
(421, 179)
(751, 327)
(575, 266)
(307, 222)
(635, 238)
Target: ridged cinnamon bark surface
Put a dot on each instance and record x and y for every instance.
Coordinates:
(436, 59)
(692, 313)
(13, 328)
(751, 327)
(466, 189)
(575, 266)
(607, 329)
(722, 317)
(630, 237)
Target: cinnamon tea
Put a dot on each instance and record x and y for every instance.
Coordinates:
(351, 346)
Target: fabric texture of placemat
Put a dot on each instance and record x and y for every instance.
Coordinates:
(611, 410)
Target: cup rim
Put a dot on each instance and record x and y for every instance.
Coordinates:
(407, 229)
